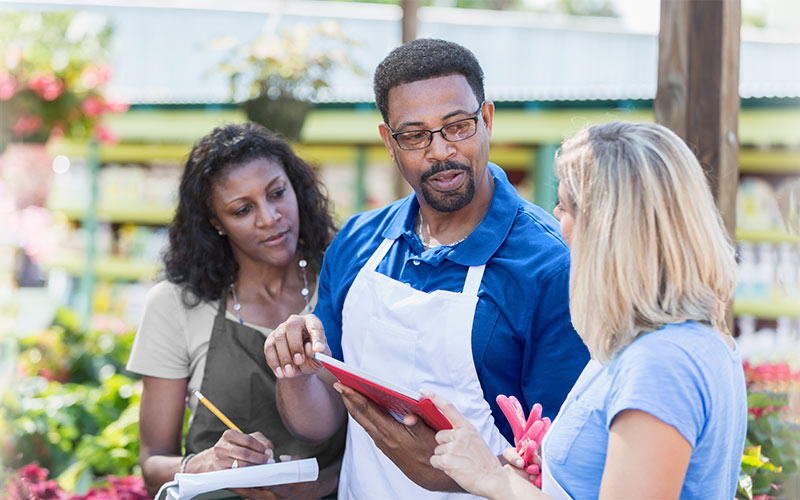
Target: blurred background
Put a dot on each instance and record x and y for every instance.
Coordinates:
(101, 101)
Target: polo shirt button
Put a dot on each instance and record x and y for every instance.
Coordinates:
(416, 262)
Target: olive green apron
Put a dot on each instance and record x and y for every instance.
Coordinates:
(239, 382)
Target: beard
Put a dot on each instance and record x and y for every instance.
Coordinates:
(448, 202)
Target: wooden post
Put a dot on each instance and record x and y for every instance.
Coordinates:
(410, 19)
(698, 88)
(698, 91)
(409, 32)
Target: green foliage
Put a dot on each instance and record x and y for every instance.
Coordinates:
(294, 63)
(75, 410)
(771, 462)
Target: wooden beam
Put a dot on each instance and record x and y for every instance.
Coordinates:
(698, 88)
(408, 27)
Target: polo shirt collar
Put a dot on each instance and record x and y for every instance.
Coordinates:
(485, 239)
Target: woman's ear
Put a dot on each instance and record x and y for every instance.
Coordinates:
(216, 225)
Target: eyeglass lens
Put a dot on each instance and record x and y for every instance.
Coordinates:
(454, 132)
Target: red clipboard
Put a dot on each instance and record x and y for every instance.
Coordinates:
(397, 401)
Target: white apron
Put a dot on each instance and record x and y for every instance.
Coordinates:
(418, 340)
(549, 484)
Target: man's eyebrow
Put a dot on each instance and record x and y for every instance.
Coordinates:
(445, 117)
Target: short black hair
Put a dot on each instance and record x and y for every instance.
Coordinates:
(198, 258)
(422, 59)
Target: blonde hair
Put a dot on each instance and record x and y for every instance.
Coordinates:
(648, 244)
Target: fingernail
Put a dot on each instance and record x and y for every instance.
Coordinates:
(271, 461)
(337, 387)
(285, 458)
(519, 462)
(279, 372)
(289, 370)
(298, 359)
(319, 346)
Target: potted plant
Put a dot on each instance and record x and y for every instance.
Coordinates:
(53, 69)
(276, 75)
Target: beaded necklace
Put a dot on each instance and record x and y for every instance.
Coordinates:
(237, 307)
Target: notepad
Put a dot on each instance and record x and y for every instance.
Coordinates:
(210, 485)
(396, 400)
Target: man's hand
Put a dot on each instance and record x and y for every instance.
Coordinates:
(290, 347)
(409, 445)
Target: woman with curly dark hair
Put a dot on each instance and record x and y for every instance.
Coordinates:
(248, 237)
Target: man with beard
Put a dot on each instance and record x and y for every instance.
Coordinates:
(461, 288)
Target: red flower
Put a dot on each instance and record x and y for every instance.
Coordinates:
(116, 106)
(8, 87)
(93, 76)
(47, 86)
(104, 134)
(92, 106)
(32, 472)
(27, 125)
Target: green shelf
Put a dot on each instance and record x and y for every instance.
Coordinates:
(141, 215)
(769, 161)
(766, 236)
(764, 309)
(109, 268)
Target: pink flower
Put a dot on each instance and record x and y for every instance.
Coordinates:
(105, 135)
(8, 86)
(47, 86)
(93, 77)
(92, 106)
(32, 472)
(116, 106)
(57, 131)
(27, 125)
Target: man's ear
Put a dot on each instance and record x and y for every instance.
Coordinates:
(386, 135)
(488, 116)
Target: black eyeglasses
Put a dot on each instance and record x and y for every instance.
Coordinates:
(456, 131)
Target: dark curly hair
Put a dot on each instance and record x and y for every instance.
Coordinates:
(422, 59)
(197, 258)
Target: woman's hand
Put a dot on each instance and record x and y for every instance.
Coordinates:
(516, 463)
(290, 347)
(244, 449)
(463, 454)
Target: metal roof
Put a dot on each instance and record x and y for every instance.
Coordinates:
(160, 49)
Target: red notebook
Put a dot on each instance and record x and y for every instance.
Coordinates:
(397, 401)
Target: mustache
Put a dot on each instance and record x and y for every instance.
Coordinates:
(443, 166)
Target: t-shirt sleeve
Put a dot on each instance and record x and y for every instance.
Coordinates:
(328, 313)
(160, 345)
(555, 355)
(663, 381)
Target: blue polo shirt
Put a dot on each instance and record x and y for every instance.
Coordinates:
(523, 343)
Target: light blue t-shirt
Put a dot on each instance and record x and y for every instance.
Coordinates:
(683, 374)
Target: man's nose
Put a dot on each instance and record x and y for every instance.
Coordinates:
(440, 148)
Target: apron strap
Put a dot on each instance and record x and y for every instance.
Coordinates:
(473, 281)
(376, 258)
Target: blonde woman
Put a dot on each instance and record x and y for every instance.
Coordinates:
(652, 270)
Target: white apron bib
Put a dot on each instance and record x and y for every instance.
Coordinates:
(549, 484)
(418, 340)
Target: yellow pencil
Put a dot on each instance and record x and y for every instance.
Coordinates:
(216, 411)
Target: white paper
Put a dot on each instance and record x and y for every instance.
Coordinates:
(186, 486)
